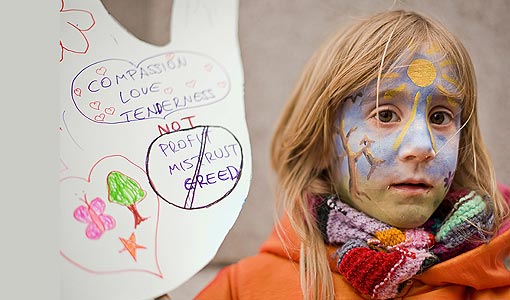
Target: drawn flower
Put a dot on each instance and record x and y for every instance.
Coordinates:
(74, 24)
(448, 180)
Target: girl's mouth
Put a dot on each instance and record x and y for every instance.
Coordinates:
(411, 187)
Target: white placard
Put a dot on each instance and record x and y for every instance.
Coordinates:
(154, 149)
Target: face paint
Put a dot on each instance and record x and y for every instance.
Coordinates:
(390, 167)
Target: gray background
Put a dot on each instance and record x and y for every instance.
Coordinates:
(277, 38)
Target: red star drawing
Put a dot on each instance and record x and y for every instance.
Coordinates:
(130, 245)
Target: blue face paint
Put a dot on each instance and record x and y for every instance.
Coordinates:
(397, 158)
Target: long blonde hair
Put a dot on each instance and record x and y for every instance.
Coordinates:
(303, 152)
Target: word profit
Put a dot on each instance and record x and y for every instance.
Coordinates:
(191, 140)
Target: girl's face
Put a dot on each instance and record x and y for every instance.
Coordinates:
(397, 160)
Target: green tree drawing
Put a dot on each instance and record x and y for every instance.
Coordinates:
(125, 191)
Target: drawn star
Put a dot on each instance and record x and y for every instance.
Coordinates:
(130, 245)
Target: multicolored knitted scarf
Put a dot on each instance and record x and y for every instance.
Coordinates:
(378, 260)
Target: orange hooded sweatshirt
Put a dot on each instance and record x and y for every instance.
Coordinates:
(273, 274)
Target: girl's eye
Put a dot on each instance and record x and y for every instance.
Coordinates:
(386, 116)
(440, 118)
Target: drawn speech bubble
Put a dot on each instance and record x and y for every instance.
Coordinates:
(196, 167)
(115, 91)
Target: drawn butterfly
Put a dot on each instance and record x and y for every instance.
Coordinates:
(93, 215)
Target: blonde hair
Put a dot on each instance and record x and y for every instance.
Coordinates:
(303, 152)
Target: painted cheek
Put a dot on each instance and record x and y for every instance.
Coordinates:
(341, 155)
(447, 152)
(381, 149)
(374, 148)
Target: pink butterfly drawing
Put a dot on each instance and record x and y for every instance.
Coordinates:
(93, 215)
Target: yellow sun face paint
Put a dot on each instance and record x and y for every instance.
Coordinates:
(433, 49)
(432, 139)
(421, 72)
(391, 93)
(391, 75)
(450, 80)
(445, 62)
(451, 101)
(402, 134)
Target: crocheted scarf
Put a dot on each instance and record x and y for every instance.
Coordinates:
(378, 260)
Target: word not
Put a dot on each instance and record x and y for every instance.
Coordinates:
(189, 163)
(230, 173)
(139, 73)
(156, 109)
(175, 125)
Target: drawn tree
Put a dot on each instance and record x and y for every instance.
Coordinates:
(352, 159)
(369, 156)
(125, 191)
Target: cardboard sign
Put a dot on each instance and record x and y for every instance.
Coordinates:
(154, 149)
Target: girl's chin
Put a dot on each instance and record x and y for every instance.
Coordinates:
(407, 220)
(408, 224)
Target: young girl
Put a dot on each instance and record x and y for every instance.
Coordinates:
(387, 186)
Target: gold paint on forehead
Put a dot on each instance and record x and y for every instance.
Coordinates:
(450, 80)
(451, 101)
(434, 48)
(421, 72)
(391, 93)
(445, 63)
(445, 92)
(391, 75)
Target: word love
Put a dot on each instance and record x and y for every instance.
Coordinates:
(137, 93)
(196, 167)
(152, 89)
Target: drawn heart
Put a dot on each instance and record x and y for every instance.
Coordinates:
(222, 84)
(191, 83)
(99, 118)
(99, 233)
(95, 105)
(170, 56)
(101, 71)
(110, 110)
(77, 92)
(168, 90)
(208, 67)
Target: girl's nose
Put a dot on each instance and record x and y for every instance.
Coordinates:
(418, 144)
